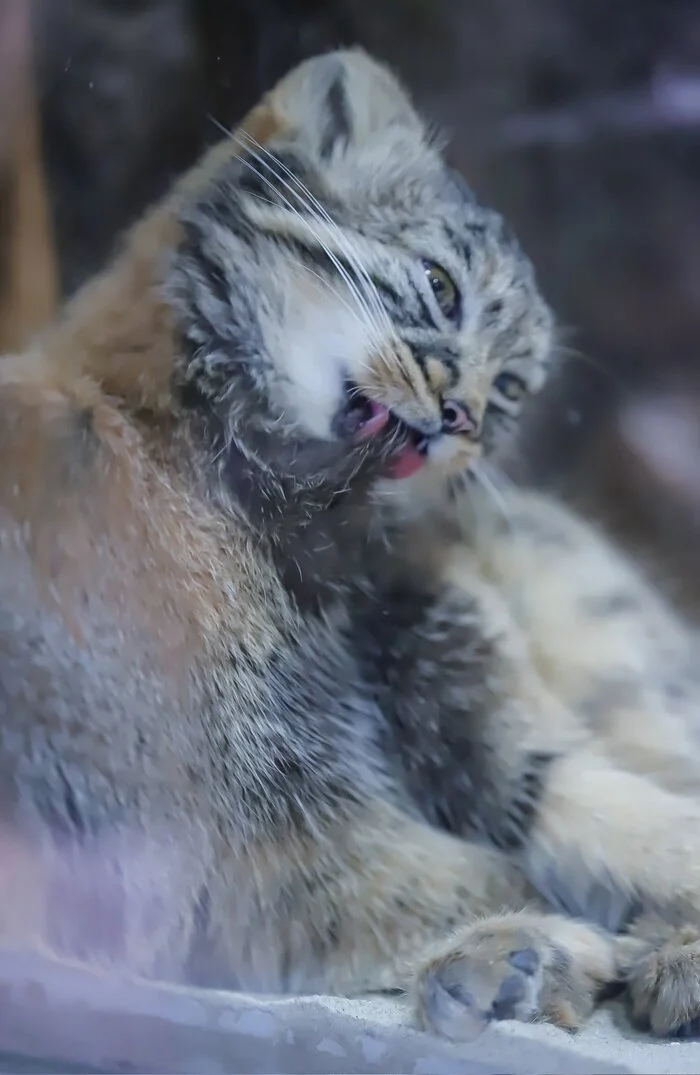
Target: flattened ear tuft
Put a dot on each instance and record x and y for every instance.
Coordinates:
(340, 98)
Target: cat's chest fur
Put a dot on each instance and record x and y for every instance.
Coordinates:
(430, 653)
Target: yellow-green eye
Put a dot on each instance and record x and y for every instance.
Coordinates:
(510, 387)
(444, 289)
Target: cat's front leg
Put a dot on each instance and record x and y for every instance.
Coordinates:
(604, 641)
(603, 837)
(476, 733)
(487, 747)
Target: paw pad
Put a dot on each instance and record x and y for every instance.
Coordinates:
(509, 996)
(526, 961)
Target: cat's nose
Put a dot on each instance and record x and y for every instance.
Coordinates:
(460, 418)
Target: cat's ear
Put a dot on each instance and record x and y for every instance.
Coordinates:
(333, 102)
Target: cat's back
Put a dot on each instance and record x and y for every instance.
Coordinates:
(117, 581)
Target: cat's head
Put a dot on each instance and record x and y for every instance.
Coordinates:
(346, 306)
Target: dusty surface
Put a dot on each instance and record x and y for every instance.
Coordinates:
(55, 1018)
(607, 1044)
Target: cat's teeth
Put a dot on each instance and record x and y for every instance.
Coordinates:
(376, 418)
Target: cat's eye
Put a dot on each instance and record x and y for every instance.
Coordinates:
(510, 387)
(444, 289)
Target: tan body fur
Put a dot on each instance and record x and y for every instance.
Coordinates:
(149, 642)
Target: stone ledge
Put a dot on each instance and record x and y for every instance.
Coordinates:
(56, 1017)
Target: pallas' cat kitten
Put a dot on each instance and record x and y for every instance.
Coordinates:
(279, 709)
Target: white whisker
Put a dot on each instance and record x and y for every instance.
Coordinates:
(498, 478)
(346, 242)
(368, 299)
(272, 163)
(286, 202)
(492, 491)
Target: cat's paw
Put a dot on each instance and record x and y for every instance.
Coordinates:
(510, 968)
(663, 985)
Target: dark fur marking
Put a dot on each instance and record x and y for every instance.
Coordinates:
(464, 250)
(222, 207)
(192, 398)
(398, 309)
(84, 440)
(84, 424)
(60, 811)
(430, 660)
(596, 899)
(337, 125)
(681, 687)
(390, 296)
(74, 447)
(263, 176)
(444, 355)
(426, 313)
(202, 913)
(520, 813)
(74, 815)
(215, 276)
(616, 603)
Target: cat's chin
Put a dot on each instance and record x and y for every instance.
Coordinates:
(406, 463)
(423, 492)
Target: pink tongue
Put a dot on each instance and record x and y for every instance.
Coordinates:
(405, 463)
(380, 417)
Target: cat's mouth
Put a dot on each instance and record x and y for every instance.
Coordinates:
(364, 419)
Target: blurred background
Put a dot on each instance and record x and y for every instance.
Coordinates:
(578, 119)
